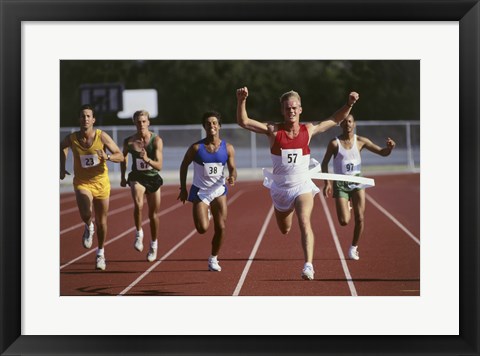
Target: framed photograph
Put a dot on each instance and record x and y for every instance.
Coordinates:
(37, 320)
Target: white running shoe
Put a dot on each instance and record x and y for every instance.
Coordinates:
(353, 253)
(101, 263)
(308, 272)
(213, 265)
(87, 237)
(152, 254)
(139, 241)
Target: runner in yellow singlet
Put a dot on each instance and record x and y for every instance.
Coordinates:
(91, 182)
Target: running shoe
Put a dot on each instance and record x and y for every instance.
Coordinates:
(139, 241)
(152, 254)
(353, 253)
(101, 263)
(213, 265)
(308, 272)
(87, 237)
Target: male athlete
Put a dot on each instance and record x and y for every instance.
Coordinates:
(209, 190)
(291, 188)
(91, 182)
(345, 150)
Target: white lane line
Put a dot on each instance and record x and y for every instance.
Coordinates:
(113, 212)
(253, 253)
(110, 213)
(346, 271)
(73, 198)
(163, 212)
(75, 208)
(172, 250)
(391, 217)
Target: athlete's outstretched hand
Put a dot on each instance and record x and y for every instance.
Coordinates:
(242, 93)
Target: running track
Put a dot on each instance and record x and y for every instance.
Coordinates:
(256, 259)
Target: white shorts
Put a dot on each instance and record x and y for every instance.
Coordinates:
(206, 195)
(284, 198)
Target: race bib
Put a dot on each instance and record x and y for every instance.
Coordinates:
(89, 161)
(212, 169)
(292, 157)
(142, 165)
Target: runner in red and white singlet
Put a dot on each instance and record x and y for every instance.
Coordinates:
(291, 188)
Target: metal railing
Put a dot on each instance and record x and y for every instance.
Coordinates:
(252, 151)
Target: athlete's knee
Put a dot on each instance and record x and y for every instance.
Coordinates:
(343, 221)
(359, 219)
(201, 227)
(285, 229)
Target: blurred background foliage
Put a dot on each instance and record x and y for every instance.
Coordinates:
(389, 89)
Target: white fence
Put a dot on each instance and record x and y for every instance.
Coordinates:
(252, 151)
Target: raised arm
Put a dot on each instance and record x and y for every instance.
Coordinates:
(232, 169)
(242, 117)
(372, 147)
(337, 117)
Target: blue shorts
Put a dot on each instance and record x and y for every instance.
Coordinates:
(196, 194)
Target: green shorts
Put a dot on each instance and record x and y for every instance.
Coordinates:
(344, 189)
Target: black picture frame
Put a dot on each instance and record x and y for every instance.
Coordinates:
(13, 12)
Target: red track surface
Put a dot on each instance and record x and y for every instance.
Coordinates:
(256, 259)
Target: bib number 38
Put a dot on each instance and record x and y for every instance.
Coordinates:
(212, 169)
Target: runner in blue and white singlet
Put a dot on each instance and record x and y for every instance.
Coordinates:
(208, 173)
(208, 193)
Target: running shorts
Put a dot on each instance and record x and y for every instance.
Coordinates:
(284, 198)
(207, 196)
(100, 189)
(344, 189)
(151, 183)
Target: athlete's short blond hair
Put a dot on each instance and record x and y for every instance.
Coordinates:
(139, 113)
(290, 94)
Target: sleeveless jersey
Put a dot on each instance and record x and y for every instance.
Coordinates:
(138, 164)
(208, 167)
(86, 164)
(347, 161)
(291, 156)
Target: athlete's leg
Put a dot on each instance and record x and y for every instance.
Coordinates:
(358, 205)
(138, 191)
(101, 213)
(284, 220)
(84, 203)
(219, 213)
(153, 201)
(304, 207)
(200, 216)
(343, 211)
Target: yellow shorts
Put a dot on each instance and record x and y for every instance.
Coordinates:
(100, 189)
